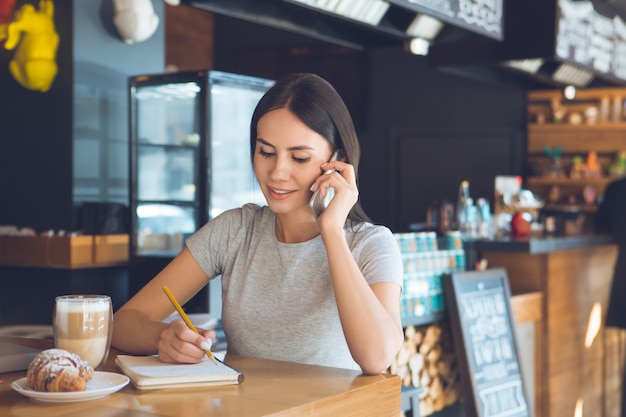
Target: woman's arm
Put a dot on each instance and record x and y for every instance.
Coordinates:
(138, 326)
(370, 315)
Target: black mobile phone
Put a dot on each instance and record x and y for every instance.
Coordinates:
(319, 203)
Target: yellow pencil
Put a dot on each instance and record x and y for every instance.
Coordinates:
(185, 318)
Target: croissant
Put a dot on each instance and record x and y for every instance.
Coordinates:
(57, 370)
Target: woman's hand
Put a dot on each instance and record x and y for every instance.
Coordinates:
(343, 181)
(179, 344)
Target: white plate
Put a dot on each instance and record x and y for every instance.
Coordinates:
(101, 385)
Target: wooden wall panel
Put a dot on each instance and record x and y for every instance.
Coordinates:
(525, 271)
(189, 38)
(572, 282)
(614, 355)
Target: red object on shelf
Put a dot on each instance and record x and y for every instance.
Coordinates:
(520, 224)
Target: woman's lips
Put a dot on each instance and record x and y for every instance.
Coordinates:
(279, 194)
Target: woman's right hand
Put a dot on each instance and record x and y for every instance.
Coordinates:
(179, 344)
(343, 181)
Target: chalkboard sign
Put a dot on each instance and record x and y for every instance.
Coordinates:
(590, 39)
(480, 317)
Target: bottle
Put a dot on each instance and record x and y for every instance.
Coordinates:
(470, 227)
(446, 217)
(433, 219)
(484, 218)
(461, 202)
(605, 104)
(617, 109)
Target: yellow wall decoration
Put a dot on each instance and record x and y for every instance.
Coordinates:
(32, 31)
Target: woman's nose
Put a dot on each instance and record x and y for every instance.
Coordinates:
(280, 170)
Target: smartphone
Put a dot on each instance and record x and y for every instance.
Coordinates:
(319, 203)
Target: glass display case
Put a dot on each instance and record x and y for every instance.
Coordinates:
(189, 154)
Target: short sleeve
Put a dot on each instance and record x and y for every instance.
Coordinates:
(378, 255)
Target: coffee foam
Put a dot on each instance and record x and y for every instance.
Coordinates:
(81, 306)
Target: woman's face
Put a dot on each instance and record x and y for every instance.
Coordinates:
(287, 160)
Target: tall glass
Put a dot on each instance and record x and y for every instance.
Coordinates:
(83, 325)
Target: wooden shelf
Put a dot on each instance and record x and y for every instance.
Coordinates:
(85, 251)
(582, 94)
(564, 126)
(608, 104)
(602, 181)
(569, 188)
(585, 208)
(602, 137)
(606, 136)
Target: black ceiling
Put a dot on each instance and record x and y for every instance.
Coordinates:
(272, 23)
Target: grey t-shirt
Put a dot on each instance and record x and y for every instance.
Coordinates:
(277, 298)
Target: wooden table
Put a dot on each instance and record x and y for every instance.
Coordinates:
(270, 388)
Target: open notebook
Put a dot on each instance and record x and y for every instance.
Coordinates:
(14, 357)
(148, 372)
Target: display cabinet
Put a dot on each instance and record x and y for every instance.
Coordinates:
(189, 154)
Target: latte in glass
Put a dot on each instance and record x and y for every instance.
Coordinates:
(82, 325)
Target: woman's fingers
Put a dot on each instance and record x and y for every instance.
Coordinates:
(180, 344)
(342, 176)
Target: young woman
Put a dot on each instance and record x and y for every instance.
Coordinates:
(322, 291)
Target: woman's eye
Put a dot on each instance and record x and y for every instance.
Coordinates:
(265, 154)
(299, 160)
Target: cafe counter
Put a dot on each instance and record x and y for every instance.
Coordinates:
(576, 357)
(279, 389)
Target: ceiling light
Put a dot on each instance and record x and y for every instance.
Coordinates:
(569, 92)
(569, 74)
(419, 46)
(424, 26)
(526, 65)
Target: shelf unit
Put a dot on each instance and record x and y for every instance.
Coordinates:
(425, 262)
(577, 134)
